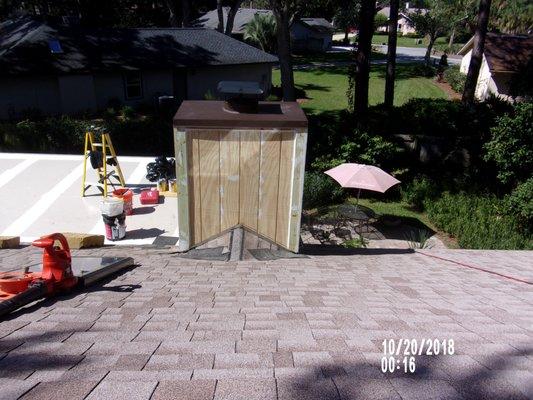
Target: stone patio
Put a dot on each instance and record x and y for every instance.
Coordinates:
(310, 328)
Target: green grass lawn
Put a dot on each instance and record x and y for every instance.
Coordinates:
(405, 41)
(395, 208)
(326, 87)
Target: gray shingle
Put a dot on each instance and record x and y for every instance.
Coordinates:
(24, 48)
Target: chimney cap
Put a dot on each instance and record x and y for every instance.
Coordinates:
(247, 89)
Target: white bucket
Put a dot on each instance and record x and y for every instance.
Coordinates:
(112, 207)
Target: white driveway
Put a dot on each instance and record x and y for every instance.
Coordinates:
(40, 194)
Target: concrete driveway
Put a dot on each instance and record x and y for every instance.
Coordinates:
(308, 329)
(41, 194)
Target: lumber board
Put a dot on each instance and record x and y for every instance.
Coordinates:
(209, 168)
(194, 190)
(284, 191)
(249, 175)
(269, 183)
(229, 178)
(182, 180)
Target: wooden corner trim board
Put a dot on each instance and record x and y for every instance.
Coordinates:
(298, 171)
(182, 178)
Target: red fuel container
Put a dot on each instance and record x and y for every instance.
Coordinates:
(150, 196)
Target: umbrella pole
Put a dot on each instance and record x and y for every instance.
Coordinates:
(357, 201)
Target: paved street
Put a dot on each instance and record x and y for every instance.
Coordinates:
(307, 328)
(416, 54)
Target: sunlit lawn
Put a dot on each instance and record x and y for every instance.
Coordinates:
(405, 41)
(326, 87)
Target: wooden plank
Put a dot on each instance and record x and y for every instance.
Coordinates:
(249, 178)
(300, 146)
(284, 191)
(229, 179)
(268, 183)
(209, 157)
(182, 178)
(194, 190)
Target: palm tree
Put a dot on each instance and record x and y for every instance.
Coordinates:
(261, 30)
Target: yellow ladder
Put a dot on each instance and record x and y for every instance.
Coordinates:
(104, 176)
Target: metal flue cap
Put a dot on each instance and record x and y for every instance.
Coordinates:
(242, 89)
(241, 96)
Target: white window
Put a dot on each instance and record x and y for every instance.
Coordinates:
(133, 88)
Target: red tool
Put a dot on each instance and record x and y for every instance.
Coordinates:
(55, 276)
(150, 196)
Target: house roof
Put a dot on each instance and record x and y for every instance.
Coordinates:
(320, 25)
(28, 46)
(504, 53)
(245, 15)
(242, 18)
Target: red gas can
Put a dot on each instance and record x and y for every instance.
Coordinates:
(150, 196)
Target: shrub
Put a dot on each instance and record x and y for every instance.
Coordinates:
(477, 222)
(519, 205)
(56, 135)
(146, 136)
(361, 147)
(418, 191)
(511, 144)
(321, 190)
(455, 78)
(127, 112)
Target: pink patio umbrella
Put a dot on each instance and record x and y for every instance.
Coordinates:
(361, 176)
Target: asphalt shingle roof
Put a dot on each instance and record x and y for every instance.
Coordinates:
(318, 24)
(25, 49)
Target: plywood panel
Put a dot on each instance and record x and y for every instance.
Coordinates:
(249, 178)
(194, 189)
(229, 178)
(284, 192)
(209, 157)
(268, 183)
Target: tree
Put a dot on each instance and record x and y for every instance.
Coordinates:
(477, 52)
(433, 23)
(362, 58)
(347, 16)
(220, 13)
(261, 30)
(391, 53)
(231, 16)
(512, 16)
(284, 11)
(379, 21)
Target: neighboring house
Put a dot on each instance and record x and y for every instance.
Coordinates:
(405, 23)
(59, 69)
(307, 34)
(505, 58)
(311, 34)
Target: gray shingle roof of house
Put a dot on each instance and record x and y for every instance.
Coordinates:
(25, 48)
(318, 24)
(242, 18)
(245, 15)
(505, 53)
